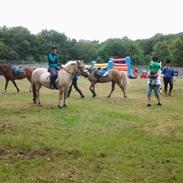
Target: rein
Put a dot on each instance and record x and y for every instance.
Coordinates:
(68, 71)
(71, 72)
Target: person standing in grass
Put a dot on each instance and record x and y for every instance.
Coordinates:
(75, 84)
(153, 83)
(168, 75)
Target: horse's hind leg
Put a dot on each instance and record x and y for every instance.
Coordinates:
(92, 89)
(13, 81)
(112, 88)
(30, 89)
(122, 88)
(35, 91)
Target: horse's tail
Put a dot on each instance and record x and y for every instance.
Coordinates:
(124, 80)
(34, 92)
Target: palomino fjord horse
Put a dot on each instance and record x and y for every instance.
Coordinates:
(40, 77)
(10, 75)
(114, 76)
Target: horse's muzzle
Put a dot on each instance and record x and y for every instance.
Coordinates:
(85, 74)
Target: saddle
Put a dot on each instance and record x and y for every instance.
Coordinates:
(17, 70)
(53, 84)
(100, 73)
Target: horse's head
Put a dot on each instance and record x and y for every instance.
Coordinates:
(81, 68)
(75, 67)
(90, 69)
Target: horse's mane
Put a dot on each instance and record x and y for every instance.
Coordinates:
(69, 63)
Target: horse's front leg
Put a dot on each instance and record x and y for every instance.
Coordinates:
(112, 89)
(30, 89)
(92, 89)
(65, 96)
(13, 81)
(60, 97)
(6, 85)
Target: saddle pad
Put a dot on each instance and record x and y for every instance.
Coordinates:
(100, 73)
(18, 70)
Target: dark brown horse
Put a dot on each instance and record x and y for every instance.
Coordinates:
(11, 75)
(114, 76)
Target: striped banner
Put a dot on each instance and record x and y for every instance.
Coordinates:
(101, 65)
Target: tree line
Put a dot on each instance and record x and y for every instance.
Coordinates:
(17, 43)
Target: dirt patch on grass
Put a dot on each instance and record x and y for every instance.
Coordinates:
(4, 127)
(25, 154)
(162, 129)
(70, 153)
(32, 154)
(4, 152)
(75, 154)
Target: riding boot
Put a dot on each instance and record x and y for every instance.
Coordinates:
(53, 84)
(69, 92)
(170, 93)
(165, 93)
(81, 94)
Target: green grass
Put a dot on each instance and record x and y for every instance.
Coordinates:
(94, 140)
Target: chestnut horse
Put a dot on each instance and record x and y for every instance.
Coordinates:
(114, 76)
(10, 75)
(41, 77)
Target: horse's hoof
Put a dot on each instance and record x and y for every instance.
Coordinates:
(64, 105)
(39, 104)
(3, 92)
(125, 96)
(108, 96)
(94, 95)
(59, 106)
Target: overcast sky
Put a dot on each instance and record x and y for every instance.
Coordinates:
(95, 19)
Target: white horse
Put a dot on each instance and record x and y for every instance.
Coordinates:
(41, 77)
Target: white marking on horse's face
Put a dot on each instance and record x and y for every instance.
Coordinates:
(81, 67)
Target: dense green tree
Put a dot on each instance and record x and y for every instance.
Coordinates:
(176, 48)
(3, 51)
(17, 43)
(119, 48)
(161, 50)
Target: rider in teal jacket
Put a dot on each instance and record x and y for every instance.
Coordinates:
(54, 65)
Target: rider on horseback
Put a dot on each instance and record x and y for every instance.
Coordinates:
(54, 65)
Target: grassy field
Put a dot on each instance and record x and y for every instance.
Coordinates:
(94, 140)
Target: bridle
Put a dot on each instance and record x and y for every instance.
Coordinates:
(79, 67)
(67, 71)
